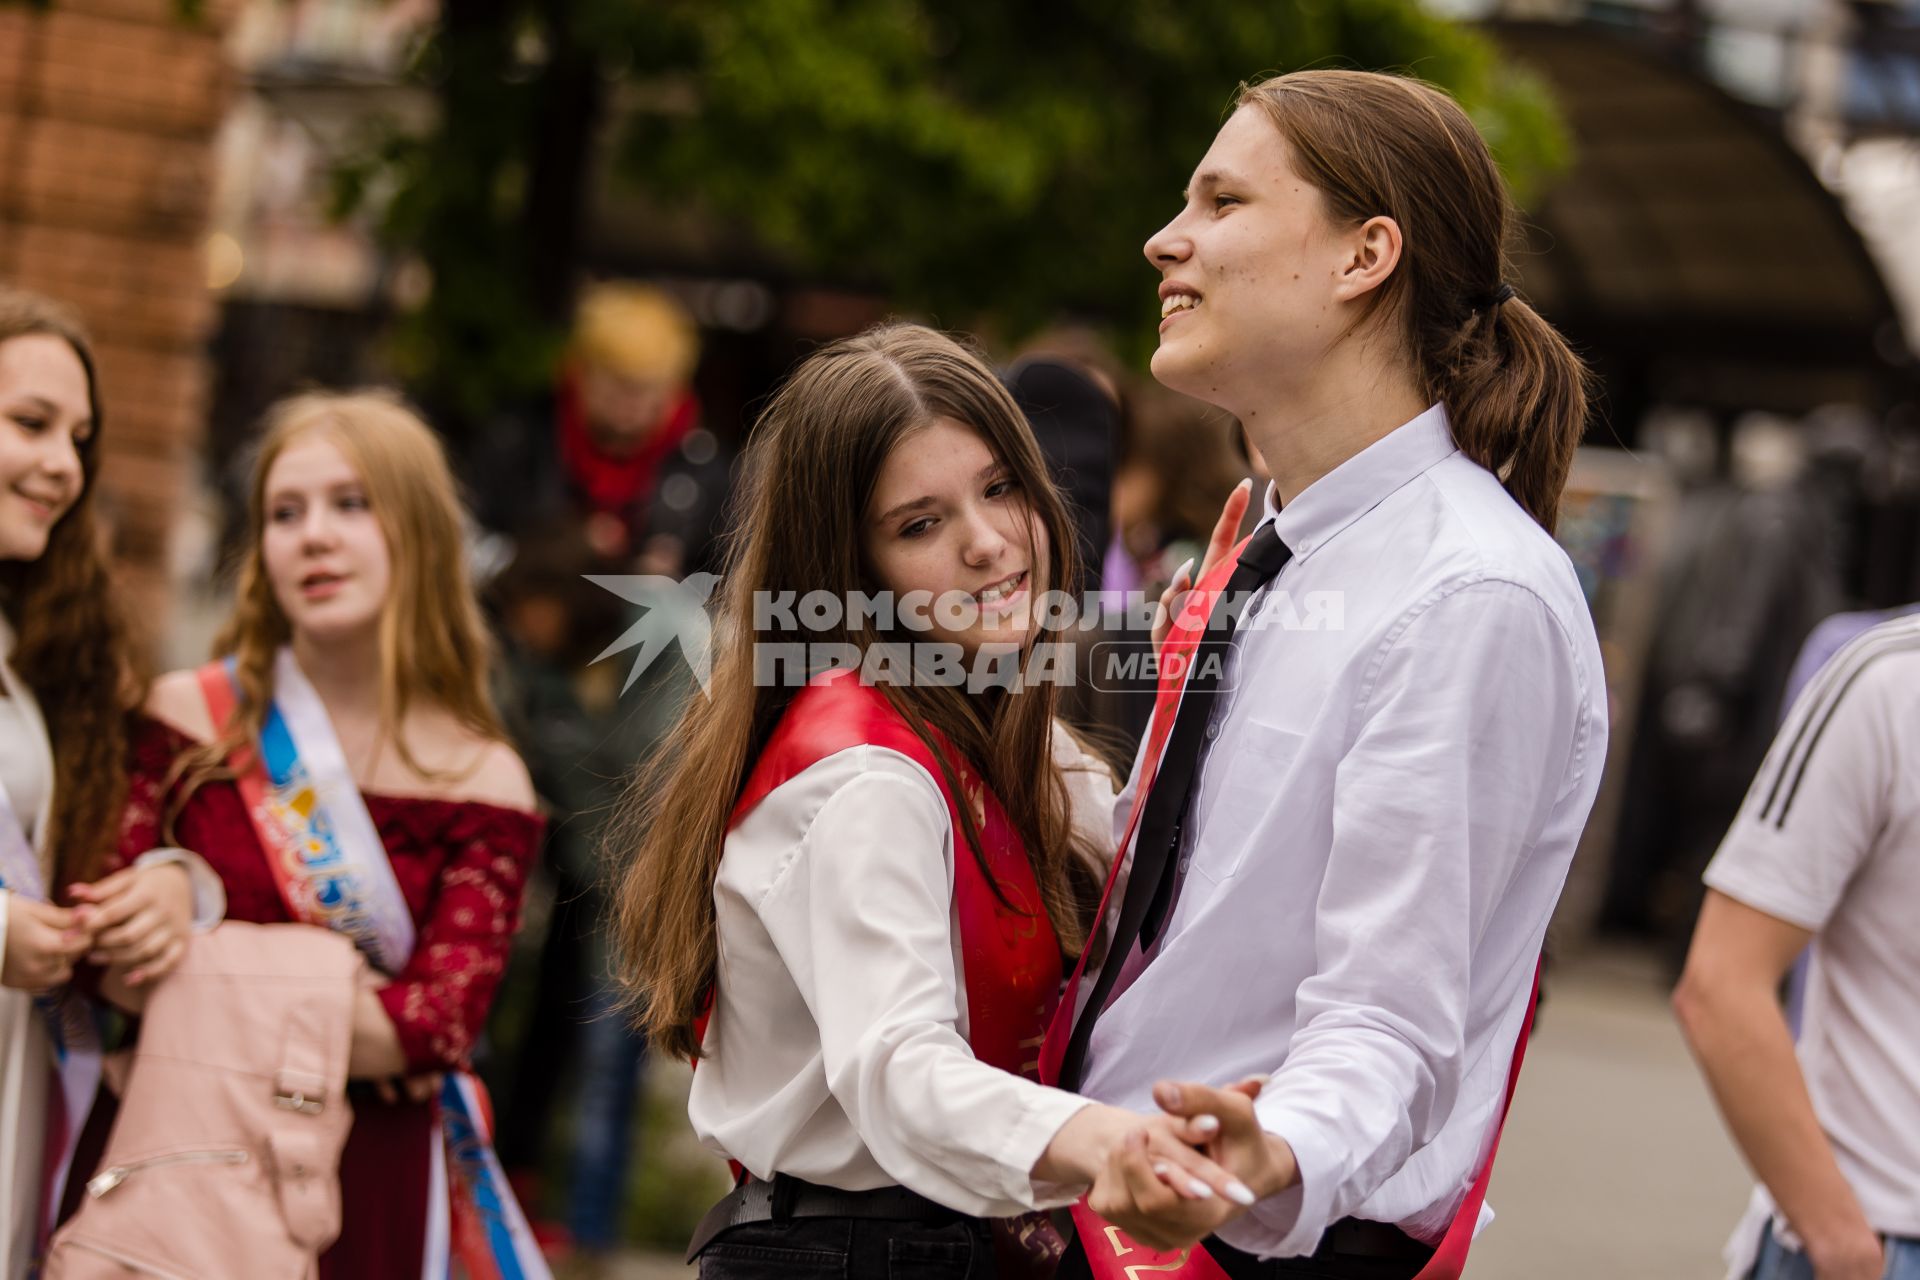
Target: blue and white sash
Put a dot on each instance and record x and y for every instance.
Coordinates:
(69, 1019)
(324, 850)
(327, 857)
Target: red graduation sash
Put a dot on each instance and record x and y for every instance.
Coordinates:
(1010, 955)
(1111, 1253)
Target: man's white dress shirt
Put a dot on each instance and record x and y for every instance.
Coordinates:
(838, 1050)
(1397, 772)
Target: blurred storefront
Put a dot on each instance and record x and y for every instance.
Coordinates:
(1733, 248)
(303, 295)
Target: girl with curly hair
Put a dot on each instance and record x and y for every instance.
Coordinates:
(64, 693)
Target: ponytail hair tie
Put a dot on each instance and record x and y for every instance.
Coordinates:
(1487, 302)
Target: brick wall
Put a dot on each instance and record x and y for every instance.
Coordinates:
(107, 115)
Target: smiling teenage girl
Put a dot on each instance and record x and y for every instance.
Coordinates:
(852, 900)
(1349, 850)
(63, 699)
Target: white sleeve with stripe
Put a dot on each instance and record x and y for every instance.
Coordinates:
(1820, 799)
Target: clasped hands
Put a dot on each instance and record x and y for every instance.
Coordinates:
(135, 923)
(1172, 1179)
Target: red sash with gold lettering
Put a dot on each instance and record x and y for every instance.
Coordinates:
(1111, 1253)
(1010, 956)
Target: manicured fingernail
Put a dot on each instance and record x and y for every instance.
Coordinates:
(1260, 1078)
(1185, 571)
(1246, 482)
(1242, 1193)
(1162, 1169)
(1200, 1189)
(1206, 1124)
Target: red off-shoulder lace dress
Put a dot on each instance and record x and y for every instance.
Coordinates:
(463, 867)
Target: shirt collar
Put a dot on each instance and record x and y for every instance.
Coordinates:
(1361, 483)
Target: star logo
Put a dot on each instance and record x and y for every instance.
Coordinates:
(670, 610)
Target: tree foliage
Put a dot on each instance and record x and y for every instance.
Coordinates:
(1007, 160)
(988, 163)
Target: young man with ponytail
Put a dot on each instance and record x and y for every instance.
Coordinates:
(1348, 829)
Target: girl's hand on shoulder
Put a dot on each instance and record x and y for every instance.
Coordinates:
(44, 942)
(141, 918)
(1226, 531)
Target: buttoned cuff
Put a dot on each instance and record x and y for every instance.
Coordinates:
(1290, 1224)
(209, 894)
(1042, 1115)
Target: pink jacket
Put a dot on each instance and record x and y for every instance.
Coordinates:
(224, 1160)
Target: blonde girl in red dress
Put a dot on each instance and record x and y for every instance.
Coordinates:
(354, 617)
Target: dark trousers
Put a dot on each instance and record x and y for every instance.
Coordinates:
(1323, 1265)
(551, 1043)
(850, 1249)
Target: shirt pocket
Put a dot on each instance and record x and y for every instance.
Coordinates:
(1253, 762)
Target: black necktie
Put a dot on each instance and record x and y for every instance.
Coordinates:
(1156, 845)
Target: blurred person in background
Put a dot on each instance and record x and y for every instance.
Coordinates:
(1846, 446)
(1757, 557)
(1075, 397)
(66, 686)
(1176, 461)
(581, 733)
(615, 476)
(1825, 851)
(1071, 393)
(619, 448)
(355, 662)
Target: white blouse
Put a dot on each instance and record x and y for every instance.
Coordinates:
(838, 1048)
(27, 769)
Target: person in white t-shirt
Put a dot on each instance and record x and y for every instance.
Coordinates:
(1825, 850)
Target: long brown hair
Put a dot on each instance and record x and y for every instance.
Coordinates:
(434, 644)
(809, 475)
(72, 643)
(1384, 145)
